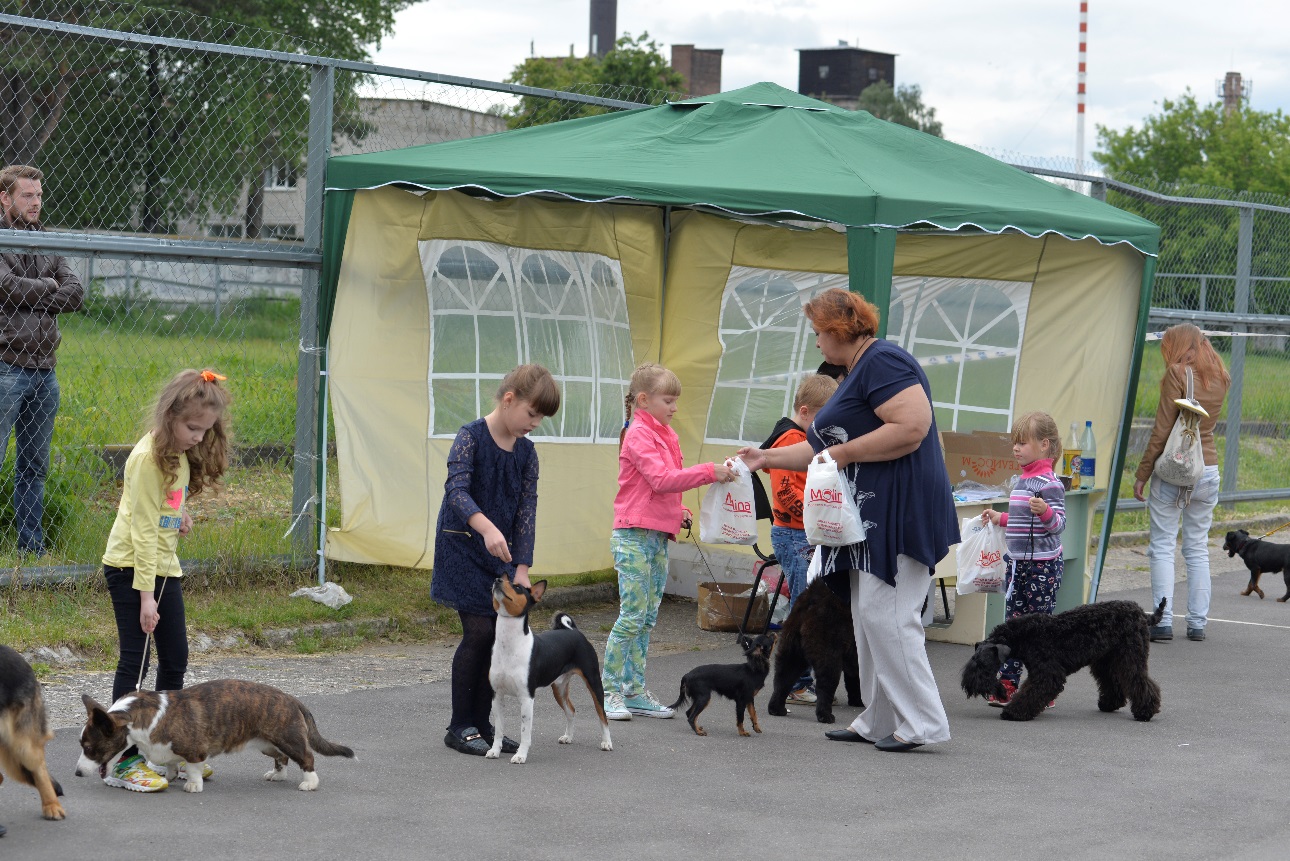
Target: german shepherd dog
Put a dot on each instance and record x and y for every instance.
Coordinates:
(739, 682)
(24, 732)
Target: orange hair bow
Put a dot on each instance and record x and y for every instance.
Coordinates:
(210, 376)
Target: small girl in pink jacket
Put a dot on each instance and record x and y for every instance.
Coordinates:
(647, 514)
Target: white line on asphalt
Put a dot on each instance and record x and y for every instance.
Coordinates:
(1237, 622)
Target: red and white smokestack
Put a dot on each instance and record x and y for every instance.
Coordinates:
(1079, 92)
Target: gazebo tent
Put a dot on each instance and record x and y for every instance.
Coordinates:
(691, 234)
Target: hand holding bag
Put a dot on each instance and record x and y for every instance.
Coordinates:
(727, 515)
(1183, 461)
(829, 514)
(981, 567)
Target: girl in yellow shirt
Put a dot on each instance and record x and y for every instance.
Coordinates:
(185, 452)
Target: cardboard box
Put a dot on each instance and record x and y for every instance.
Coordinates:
(722, 607)
(979, 456)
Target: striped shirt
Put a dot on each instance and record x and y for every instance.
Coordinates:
(1030, 536)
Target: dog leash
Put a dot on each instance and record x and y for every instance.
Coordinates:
(689, 533)
(1274, 531)
(147, 635)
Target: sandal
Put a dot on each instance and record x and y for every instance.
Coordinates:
(468, 741)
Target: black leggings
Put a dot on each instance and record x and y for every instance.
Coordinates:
(472, 695)
(170, 636)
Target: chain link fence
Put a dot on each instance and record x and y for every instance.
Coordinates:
(183, 161)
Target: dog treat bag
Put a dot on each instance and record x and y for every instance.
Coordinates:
(828, 511)
(727, 515)
(980, 557)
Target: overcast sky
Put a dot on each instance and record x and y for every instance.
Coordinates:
(1001, 74)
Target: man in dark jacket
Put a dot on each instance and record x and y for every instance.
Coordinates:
(34, 289)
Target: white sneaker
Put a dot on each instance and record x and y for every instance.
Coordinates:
(646, 705)
(614, 708)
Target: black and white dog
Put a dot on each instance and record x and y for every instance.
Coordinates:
(523, 662)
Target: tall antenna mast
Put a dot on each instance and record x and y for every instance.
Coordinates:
(1079, 92)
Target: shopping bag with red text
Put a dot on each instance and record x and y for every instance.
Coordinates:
(981, 566)
(829, 514)
(727, 515)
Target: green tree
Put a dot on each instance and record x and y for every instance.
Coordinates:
(141, 138)
(1203, 151)
(903, 106)
(634, 71)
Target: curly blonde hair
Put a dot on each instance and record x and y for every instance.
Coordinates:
(188, 393)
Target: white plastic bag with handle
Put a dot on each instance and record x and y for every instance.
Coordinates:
(829, 514)
(981, 567)
(727, 515)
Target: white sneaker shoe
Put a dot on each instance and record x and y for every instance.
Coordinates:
(646, 705)
(614, 708)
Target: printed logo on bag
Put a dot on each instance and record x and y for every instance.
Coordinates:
(827, 496)
(735, 505)
(990, 558)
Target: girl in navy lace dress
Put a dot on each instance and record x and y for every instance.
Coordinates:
(485, 530)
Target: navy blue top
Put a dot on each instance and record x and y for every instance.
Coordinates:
(502, 484)
(906, 504)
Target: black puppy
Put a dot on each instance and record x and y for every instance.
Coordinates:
(738, 682)
(1261, 557)
(818, 635)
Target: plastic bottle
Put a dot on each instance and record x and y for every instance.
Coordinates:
(1071, 456)
(1088, 458)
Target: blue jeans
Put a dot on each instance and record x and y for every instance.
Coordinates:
(28, 403)
(1195, 520)
(794, 555)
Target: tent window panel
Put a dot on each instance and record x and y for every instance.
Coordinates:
(453, 343)
(457, 402)
(767, 346)
(967, 334)
(499, 351)
(495, 306)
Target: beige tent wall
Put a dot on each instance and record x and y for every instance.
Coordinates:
(391, 475)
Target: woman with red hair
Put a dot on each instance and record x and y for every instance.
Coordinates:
(1183, 346)
(880, 428)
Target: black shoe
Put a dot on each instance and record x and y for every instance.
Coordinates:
(1196, 634)
(509, 745)
(891, 744)
(467, 741)
(847, 734)
(1161, 633)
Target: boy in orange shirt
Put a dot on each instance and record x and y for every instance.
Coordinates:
(787, 533)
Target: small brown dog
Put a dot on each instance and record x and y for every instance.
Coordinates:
(24, 732)
(202, 721)
(738, 682)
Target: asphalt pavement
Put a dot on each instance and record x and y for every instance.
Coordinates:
(1206, 779)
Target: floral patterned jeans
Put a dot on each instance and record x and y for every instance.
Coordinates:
(1034, 590)
(640, 556)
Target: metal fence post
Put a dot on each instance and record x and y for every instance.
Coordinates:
(304, 465)
(1244, 252)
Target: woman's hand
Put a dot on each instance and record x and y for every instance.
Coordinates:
(148, 615)
(1137, 490)
(753, 458)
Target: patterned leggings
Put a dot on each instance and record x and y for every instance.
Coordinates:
(640, 555)
(1034, 590)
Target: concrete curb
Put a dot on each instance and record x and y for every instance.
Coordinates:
(1254, 525)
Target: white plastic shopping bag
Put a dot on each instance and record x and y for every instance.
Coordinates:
(828, 511)
(727, 515)
(981, 567)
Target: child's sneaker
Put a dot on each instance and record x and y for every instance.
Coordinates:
(803, 697)
(614, 708)
(1009, 687)
(132, 773)
(646, 705)
(182, 773)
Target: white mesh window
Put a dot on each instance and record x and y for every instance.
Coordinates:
(766, 346)
(493, 307)
(967, 335)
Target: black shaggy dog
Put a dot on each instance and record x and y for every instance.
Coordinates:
(818, 634)
(1261, 557)
(739, 682)
(1111, 639)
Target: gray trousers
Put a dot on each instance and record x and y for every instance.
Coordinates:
(896, 679)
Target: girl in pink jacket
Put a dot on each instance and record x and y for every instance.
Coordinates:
(647, 514)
